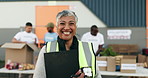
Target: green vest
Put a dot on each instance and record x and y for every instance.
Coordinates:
(86, 54)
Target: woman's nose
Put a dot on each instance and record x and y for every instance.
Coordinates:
(66, 26)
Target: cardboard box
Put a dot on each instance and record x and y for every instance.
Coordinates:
(140, 64)
(128, 66)
(129, 57)
(147, 60)
(118, 62)
(118, 59)
(19, 52)
(111, 64)
(102, 63)
(141, 58)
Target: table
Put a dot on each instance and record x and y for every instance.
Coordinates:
(140, 72)
(4, 70)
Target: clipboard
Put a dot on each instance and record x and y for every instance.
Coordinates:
(61, 64)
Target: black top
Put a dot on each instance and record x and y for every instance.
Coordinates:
(62, 42)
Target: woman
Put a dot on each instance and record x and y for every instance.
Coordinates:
(66, 29)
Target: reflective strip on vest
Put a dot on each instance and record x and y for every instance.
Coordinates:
(54, 46)
(47, 47)
(93, 60)
(86, 55)
(82, 57)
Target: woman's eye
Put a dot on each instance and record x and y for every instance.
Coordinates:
(71, 23)
(62, 23)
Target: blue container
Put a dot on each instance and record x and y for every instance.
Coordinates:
(118, 67)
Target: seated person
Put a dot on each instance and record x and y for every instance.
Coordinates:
(26, 36)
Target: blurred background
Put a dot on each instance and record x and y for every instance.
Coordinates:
(126, 16)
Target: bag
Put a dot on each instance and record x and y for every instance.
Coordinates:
(145, 51)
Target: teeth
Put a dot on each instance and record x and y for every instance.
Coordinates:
(66, 32)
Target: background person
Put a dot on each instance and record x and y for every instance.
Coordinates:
(95, 38)
(26, 36)
(50, 35)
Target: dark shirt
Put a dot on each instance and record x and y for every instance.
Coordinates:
(62, 42)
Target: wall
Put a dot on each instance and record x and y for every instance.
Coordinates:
(137, 37)
(85, 16)
(119, 13)
(6, 34)
(16, 14)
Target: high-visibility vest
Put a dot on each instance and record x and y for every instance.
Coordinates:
(86, 54)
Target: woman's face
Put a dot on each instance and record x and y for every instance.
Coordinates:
(66, 28)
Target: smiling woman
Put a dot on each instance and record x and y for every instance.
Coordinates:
(67, 41)
(66, 27)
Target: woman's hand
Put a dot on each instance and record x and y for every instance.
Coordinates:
(81, 75)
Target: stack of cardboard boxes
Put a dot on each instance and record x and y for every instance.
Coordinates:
(106, 63)
(127, 63)
(118, 60)
(143, 59)
(111, 64)
(102, 63)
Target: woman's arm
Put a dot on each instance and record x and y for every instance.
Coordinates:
(40, 65)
